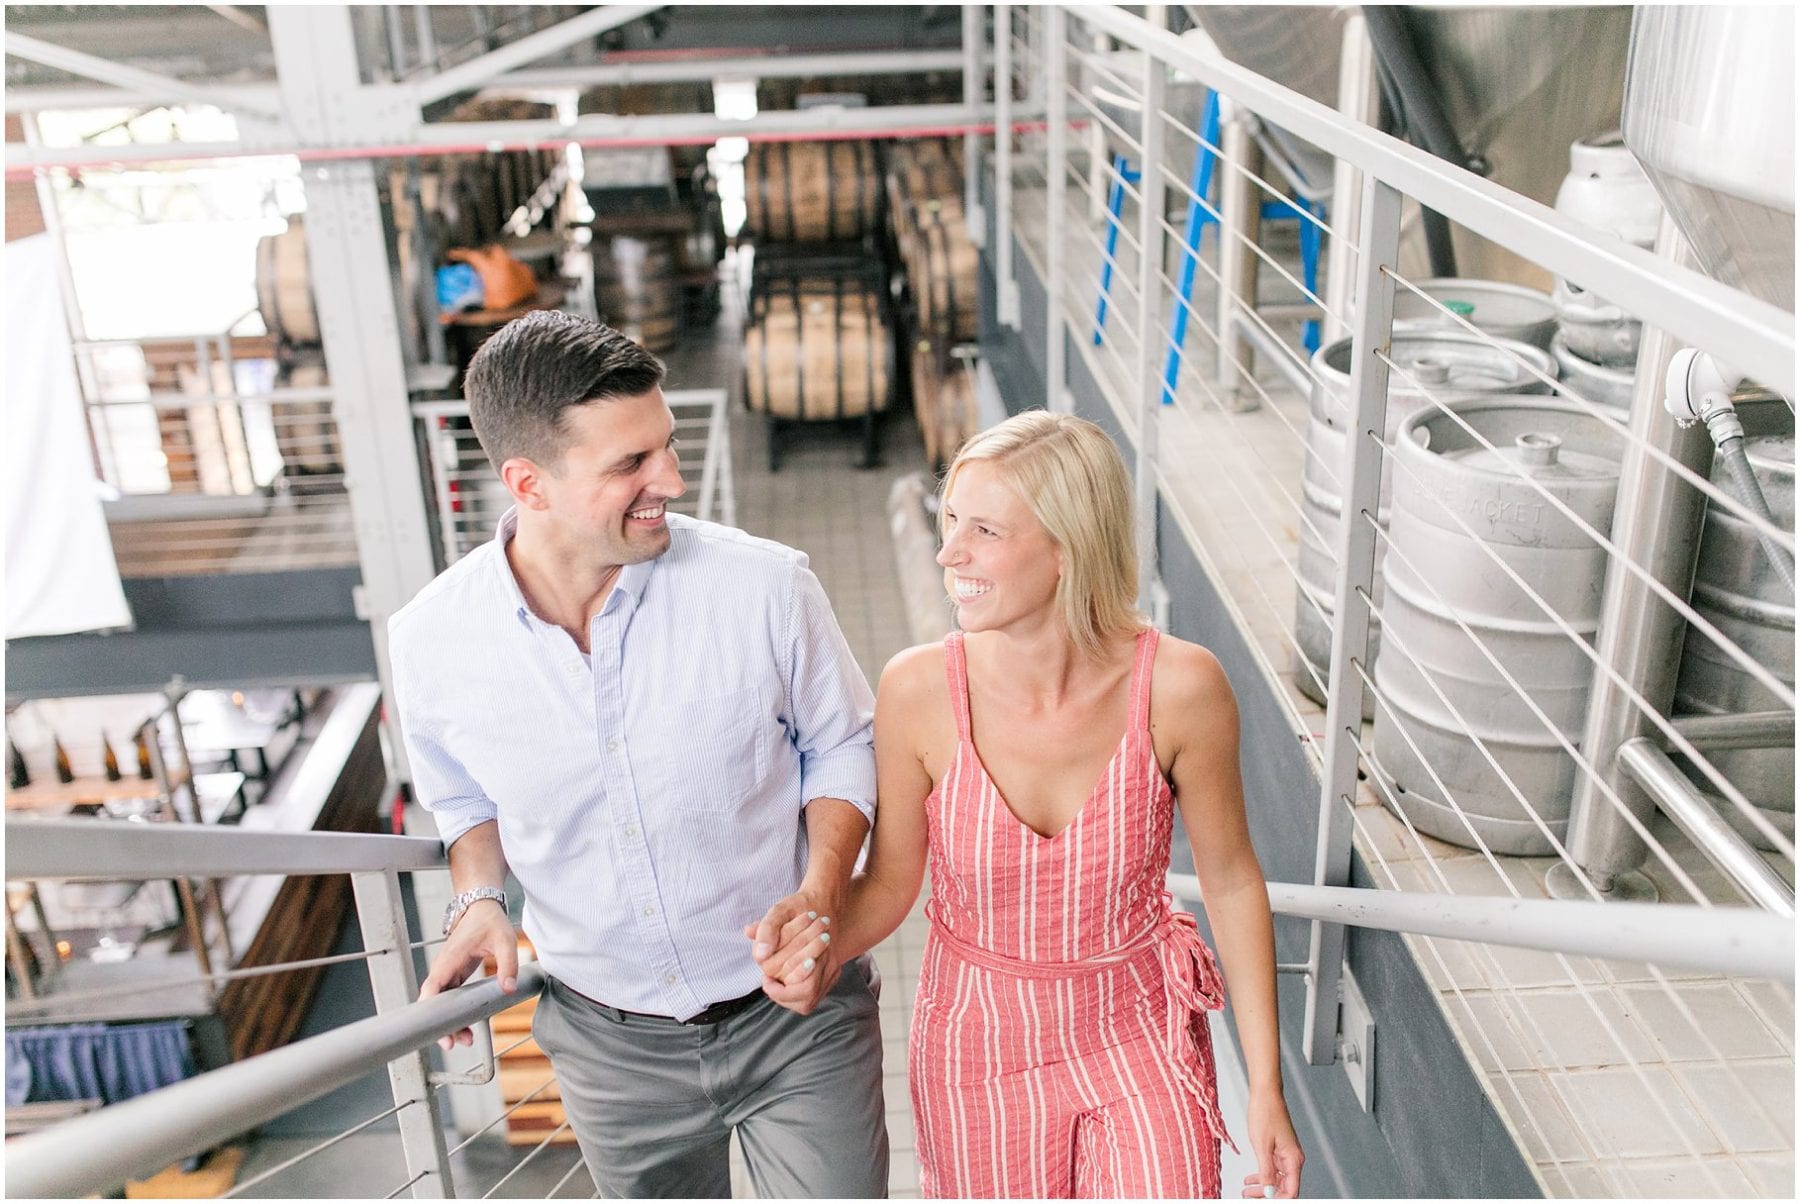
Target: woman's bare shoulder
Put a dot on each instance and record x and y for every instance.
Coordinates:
(914, 678)
(1189, 681)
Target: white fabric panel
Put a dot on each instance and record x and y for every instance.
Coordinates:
(60, 573)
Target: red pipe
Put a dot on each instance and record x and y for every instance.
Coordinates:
(325, 154)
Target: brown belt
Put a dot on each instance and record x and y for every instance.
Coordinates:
(712, 1015)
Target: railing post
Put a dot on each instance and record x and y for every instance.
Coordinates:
(1056, 93)
(1007, 301)
(1151, 191)
(974, 92)
(381, 910)
(1656, 523)
(1240, 224)
(1360, 100)
(1379, 240)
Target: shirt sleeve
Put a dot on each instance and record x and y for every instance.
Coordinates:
(440, 782)
(833, 707)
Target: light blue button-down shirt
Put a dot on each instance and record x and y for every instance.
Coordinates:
(650, 795)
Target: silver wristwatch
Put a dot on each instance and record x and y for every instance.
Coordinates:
(461, 903)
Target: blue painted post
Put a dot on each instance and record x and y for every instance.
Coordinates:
(1198, 216)
(1115, 206)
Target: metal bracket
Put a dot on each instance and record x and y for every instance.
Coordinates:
(1356, 1040)
(482, 1072)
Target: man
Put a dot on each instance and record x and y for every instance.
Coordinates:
(657, 725)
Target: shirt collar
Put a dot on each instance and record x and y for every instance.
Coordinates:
(632, 581)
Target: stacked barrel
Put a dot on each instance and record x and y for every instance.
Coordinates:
(819, 344)
(658, 231)
(931, 236)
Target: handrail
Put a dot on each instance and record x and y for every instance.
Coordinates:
(1747, 332)
(1719, 940)
(139, 1137)
(96, 850)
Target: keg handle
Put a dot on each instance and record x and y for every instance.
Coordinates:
(1698, 388)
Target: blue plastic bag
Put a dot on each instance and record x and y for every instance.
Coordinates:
(458, 288)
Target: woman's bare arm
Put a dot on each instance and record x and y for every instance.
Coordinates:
(1201, 717)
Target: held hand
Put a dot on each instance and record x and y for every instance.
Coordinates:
(791, 946)
(1277, 1149)
(481, 933)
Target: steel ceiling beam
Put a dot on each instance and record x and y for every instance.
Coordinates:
(482, 70)
(134, 81)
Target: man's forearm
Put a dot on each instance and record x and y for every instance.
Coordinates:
(834, 835)
(476, 859)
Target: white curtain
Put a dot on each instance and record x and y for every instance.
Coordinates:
(60, 573)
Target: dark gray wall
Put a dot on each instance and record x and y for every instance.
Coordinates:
(1433, 1131)
(231, 629)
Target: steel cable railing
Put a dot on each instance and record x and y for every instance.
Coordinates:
(1551, 728)
(1232, 524)
(63, 999)
(539, 1148)
(1613, 417)
(1694, 618)
(1575, 979)
(297, 1159)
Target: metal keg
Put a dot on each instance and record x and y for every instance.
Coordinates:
(1598, 383)
(1738, 591)
(1506, 311)
(1449, 367)
(1461, 504)
(1606, 189)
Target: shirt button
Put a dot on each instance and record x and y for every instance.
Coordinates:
(669, 979)
(649, 911)
(631, 832)
(612, 746)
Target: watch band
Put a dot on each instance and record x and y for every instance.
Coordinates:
(461, 903)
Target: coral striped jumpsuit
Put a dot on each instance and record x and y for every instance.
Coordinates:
(1059, 1043)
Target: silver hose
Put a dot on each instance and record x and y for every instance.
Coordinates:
(1749, 491)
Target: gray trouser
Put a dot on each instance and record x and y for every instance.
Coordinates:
(653, 1102)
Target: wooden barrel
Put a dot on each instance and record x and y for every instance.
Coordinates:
(635, 288)
(305, 431)
(478, 193)
(649, 99)
(943, 403)
(944, 268)
(818, 351)
(925, 176)
(283, 287)
(810, 191)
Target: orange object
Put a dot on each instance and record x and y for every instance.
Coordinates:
(504, 280)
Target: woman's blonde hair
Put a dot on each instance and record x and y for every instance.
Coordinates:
(1072, 478)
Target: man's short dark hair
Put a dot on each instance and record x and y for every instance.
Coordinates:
(539, 365)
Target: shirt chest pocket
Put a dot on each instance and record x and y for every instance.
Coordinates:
(703, 755)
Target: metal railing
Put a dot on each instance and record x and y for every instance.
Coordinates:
(138, 1137)
(227, 471)
(96, 1152)
(469, 499)
(1259, 450)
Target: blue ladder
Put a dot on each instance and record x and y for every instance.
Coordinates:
(1198, 218)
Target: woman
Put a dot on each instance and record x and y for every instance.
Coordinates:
(1059, 1042)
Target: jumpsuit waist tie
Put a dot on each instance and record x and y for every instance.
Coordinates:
(1192, 986)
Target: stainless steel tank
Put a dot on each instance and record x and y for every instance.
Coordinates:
(1709, 112)
(1458, 507)
(1506, 311)
(1519, 84)
(1739, 592)
(1449, 367)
